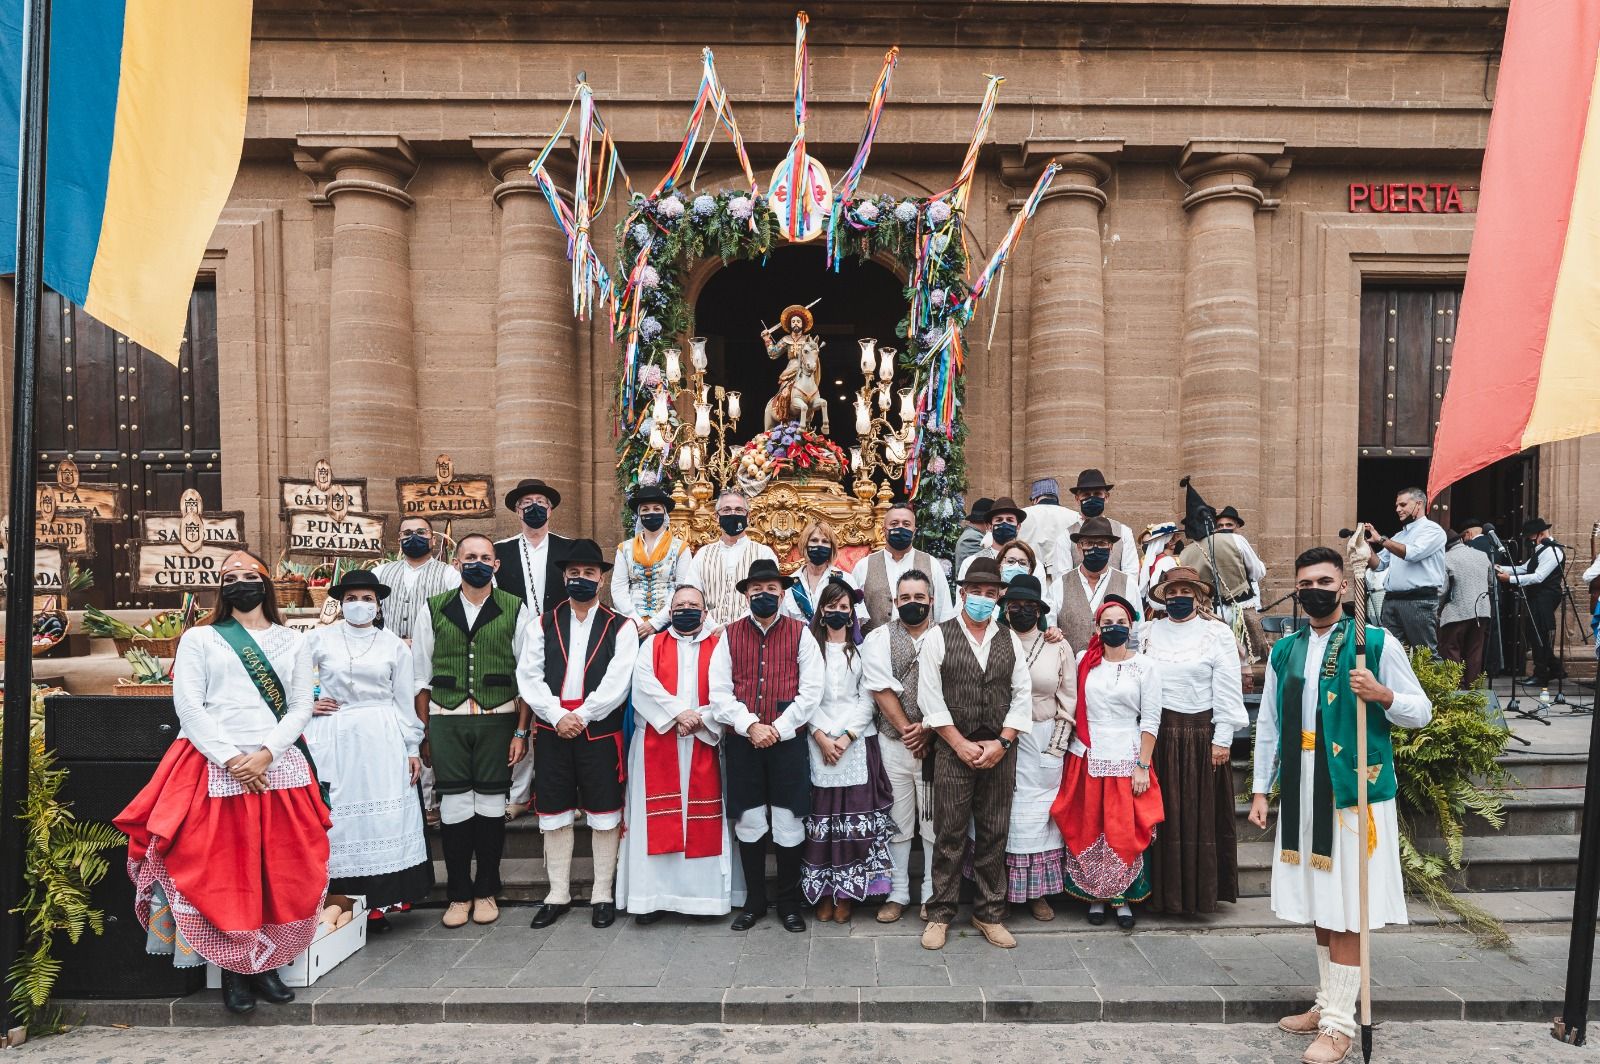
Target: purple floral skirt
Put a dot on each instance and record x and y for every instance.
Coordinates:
(847, 836)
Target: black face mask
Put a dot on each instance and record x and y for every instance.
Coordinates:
(652, 522)
(900, 538)
(477, 574)
(1318, 602)
(912, 613)
(1096, 558)
(1180, 607)
(244, 595)
(1092, 506)
(732, 524)
(1022, 618)
(1114, 635)
(836, 620)
(581, 589)
(686, 619)
(1004, 532)
(764, 604)
(535, 516)
(1222, 531)
(1047, 500)
(415, 546)
(819, 553)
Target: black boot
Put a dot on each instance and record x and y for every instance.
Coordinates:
(269, 985)
(237, 996)
(753, 859)
(789, 865)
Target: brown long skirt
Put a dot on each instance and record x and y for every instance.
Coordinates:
(1194, 861)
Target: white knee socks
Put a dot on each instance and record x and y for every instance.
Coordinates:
(558, 864)
(606, 844)
(900, 874)
(1322, 977)
(1339, 1013)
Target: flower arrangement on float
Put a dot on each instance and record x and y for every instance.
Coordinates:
(788, 452)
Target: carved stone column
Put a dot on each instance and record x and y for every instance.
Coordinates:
(372, 379)
(1221, 382)
(539, 392)
(1066, 407)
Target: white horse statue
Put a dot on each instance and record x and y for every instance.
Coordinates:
(800, 384)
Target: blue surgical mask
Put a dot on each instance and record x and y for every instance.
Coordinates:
(1114, 635)
(416, 545)
(819, 553)
(1179, 607)
(1011, 570)
(1092, 506)
(979, 609)
(477, 574)
(900, 538)
(1004, 532)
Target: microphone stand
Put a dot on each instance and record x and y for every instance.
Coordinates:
(1525, 624)
(1566, 601)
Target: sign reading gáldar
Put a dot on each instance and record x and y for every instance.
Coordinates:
(314, 494)
(345, 535)
(447, 494)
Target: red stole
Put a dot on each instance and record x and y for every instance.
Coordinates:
(663, 793)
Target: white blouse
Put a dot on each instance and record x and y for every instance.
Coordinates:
(1199, 661)
(847, 705)
(368, 666)
(219, 707)
(1124, 700)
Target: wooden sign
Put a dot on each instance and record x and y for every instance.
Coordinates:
(314, 494)
(347, 535)
(103, 502)
(72, 532)
(192, 526)
(171, 566)
(448, 494)
(49, 569)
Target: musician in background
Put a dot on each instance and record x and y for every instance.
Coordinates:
(1540, 578)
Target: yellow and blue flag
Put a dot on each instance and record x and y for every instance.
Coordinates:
(146, 114)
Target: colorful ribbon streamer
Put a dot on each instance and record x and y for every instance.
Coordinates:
(713, 98)
(845, 190)
(793, 215)
(1002, 254)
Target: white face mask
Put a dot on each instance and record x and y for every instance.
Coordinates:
(358, 612)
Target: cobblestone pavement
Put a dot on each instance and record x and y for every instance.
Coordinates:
(1095, 1043)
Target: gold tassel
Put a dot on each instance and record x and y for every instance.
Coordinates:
(1289, 856)
(1372, 832)
(1321, 863)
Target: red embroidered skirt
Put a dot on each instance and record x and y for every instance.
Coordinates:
(1105, 828)
(245, 874)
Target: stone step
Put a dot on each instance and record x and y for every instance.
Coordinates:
(1532, 771)
(1529, 811)
(1495, 863)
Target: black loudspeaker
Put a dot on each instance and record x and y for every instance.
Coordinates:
(110, 747)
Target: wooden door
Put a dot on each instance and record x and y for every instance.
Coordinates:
(133, 420)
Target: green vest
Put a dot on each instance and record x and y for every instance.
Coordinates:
(1334, 785)
(480, 664)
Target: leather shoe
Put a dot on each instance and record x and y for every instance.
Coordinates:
(995, 933)
(485, 910)
(269, 985)
(933, 935)
(1040, 907)
(602, 914)
(841, 911)
(237, 997)
(890, 912)
(794, 922)
(646, 919)
(547, 914)
(1305, 1023)
(746, 920)
(1125, 921)
(1330, 1047)
(1097, 917)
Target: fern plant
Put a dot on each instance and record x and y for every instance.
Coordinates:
(1445, 773)
(65, 858)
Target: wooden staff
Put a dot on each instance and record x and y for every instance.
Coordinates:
(1358, 552)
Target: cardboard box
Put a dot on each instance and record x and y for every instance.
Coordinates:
(327, 951)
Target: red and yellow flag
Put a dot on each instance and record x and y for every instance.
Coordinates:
(1527, 356)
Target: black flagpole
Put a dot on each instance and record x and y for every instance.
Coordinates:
(19, 557)
(1574, 1019)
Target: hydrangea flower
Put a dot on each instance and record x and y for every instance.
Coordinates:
(937, 296)
(741, 208)
(648, 277)
(940, 241)
(906, 211)
(938, 212)
(640, 233)
(936, 464)
(647, 477)
(670, 206)
(652, 376)
(645, 426)
(704, 206)
(867, 212)
(649, 328)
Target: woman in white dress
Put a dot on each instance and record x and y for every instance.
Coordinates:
(1033, 846)
(820, 564)
(364, 737)
(676, 853)
(846, 856)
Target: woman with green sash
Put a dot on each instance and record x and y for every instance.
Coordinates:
(1306, 736)
(228, 842)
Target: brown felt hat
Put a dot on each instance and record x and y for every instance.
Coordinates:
(1181, 575)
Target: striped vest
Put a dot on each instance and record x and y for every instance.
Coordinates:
(903, 662)
(479, 664)
(766, 665)
(978, 698)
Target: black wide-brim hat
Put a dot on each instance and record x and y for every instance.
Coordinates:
(1534, 525)
(650, 493)
(532, 486)
(1228, 511)
(584, 552)
(764, 569)
(358, 580)
(1025, 588)
(1091, 480)
(980, 510)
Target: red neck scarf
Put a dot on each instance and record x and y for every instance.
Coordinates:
(1091, 657)
(667, 829)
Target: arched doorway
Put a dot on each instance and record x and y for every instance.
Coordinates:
(862, 299)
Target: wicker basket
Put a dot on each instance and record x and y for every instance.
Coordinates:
(318, 595)
(142, 690)
(157, 648)
(290, 591)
